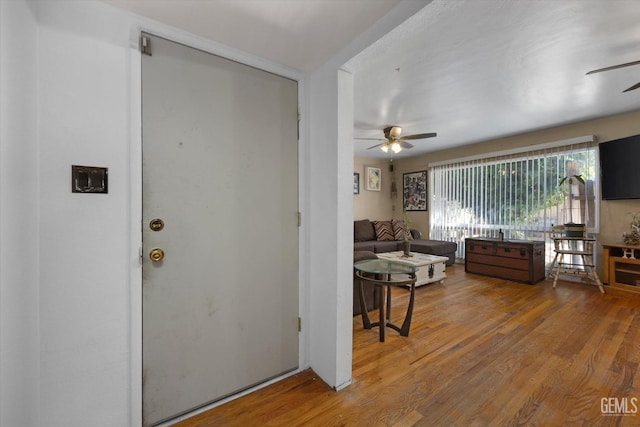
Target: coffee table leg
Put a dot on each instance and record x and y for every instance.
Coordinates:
(388, 303)
(366, 323)
(381, 312)
(406, 325)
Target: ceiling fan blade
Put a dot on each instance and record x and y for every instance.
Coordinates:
(372, 139)
(419, 136)
(634, 87)
(405, 144)
(613, 67)
(379, 145)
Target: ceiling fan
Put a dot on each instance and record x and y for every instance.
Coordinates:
(615, 67)
(392, 139)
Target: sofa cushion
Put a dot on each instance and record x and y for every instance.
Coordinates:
(365, 246)
(384, 230)
(433, 247)
(386, 246)
(370, 292)
(399, 230)
(363, 231)
(360, 255)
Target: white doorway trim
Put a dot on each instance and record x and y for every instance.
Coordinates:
(135, 153)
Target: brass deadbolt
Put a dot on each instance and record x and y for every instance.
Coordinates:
(156, 254)
(156, 224)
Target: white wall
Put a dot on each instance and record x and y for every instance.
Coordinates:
(330, 344)
(376, 205)
(330, 207)
(70, 350)
(19, 357)
(70, 88)
(84, 238)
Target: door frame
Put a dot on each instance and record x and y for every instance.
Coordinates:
(135, 197)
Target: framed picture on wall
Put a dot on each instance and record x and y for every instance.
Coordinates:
(374, 178)
(414, 191)
(356, 183)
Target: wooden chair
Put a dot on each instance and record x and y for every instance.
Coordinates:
(574, 256)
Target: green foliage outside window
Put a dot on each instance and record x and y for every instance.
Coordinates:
(517, 192)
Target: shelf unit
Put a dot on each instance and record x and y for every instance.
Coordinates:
(578, 262)
(621, 269)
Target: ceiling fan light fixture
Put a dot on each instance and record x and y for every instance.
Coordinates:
(395, 131)
(394, 142)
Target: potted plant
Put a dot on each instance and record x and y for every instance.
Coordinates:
(571, 229)
(406, 241)
(633, 237)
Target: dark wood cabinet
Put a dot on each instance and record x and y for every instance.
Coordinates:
(519, 260)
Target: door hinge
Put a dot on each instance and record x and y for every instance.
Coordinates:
(140, 255)
(299, 214)
(298, 124)
(145, 45)
(299, 324)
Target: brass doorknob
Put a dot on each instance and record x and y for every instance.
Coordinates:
(156, 254)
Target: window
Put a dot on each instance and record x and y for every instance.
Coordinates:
(518, 193)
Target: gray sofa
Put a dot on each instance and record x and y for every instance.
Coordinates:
(370, 292)
(364, 236)
(366, 245)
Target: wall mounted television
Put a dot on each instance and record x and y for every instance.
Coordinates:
(620, 168)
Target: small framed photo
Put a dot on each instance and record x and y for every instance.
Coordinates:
(374, 178)
(414, 191)
(356, 183)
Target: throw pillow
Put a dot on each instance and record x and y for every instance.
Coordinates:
(363, 231)
(399, 229)
(384, 230)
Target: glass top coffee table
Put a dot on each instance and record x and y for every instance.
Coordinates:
(379, 273)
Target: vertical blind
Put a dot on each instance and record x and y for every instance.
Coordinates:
(519, 194)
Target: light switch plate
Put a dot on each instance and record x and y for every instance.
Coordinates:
(89, 179)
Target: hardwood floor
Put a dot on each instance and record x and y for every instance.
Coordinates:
(481, 352)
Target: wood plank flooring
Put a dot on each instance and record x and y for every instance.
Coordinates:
(481, 352)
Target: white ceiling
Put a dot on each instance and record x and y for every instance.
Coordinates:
(301, 34)
(470, 70)
(477, 70)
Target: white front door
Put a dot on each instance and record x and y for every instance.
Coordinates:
(220, 234)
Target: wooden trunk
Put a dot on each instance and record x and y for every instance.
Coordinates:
(519, 260)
